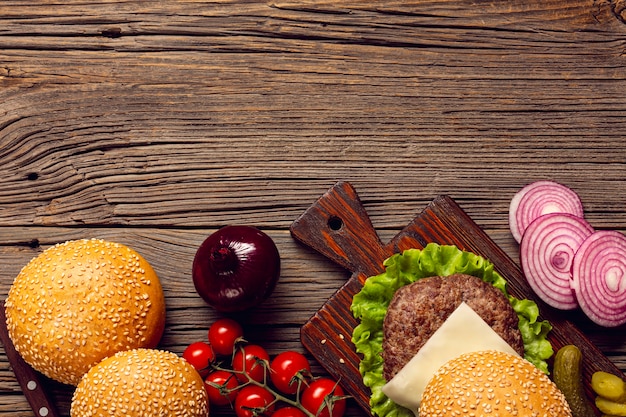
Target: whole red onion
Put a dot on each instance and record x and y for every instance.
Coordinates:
(236, 268)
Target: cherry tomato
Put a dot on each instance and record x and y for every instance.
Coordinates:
(288, 411)
(247, 361)
(226, 390)
(224, 333)
(253, 398)
(199, 355)
(286, 370)
(318, 398)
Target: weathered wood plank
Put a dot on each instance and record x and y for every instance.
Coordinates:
(171, 253)
(130, 18)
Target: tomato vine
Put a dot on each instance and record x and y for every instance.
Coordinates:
(241, 375)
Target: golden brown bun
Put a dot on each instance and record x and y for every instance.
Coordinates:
(492, 383)
(141, 382)
(81, 301)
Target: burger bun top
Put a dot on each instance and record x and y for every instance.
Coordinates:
(81, 301)
(492, 383)
(141, 382)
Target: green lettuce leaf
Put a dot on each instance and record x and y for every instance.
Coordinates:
(369, 306)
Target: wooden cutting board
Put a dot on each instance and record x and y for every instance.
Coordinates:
(338, 227)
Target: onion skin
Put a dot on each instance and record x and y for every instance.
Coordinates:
(599, 278)
(547, 252)
(540, 198)
(236, 268)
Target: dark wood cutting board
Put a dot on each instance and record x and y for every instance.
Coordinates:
(338, 227)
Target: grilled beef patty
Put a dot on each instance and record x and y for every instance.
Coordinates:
(417, 310)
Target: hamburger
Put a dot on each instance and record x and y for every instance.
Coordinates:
(401, 309)
(418, 309)
(492, 383)
(141, 382)
(81, 301)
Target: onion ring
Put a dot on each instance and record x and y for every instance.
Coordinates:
(546, 255)
(599, 277)
(539, 198)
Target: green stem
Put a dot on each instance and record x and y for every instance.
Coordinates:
(278, 397)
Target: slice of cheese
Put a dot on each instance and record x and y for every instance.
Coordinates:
(464, 331)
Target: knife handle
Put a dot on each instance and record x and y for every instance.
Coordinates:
(28, 378)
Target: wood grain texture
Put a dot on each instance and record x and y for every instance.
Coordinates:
(155, 123)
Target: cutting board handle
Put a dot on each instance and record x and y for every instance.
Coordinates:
(338, 227)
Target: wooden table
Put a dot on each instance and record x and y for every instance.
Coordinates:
(155, 123)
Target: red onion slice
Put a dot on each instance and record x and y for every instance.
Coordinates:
(546, 255)
(539, 198)
(599, 277)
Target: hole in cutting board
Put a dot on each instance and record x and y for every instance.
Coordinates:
(335, 223)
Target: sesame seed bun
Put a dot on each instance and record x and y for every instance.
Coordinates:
(492, 383)
(81, 301)
(141, 382)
